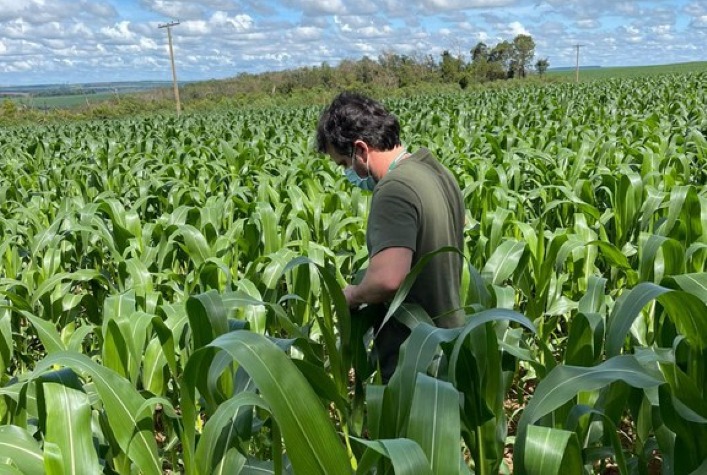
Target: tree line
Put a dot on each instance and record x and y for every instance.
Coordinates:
(507, 59)
(388, 75)
(390, 71)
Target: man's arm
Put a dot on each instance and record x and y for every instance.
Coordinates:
(386, 272)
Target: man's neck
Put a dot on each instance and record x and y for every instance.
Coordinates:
(384, 159)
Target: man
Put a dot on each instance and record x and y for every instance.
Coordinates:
(417, 208)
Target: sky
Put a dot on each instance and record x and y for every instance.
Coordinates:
(79, 41)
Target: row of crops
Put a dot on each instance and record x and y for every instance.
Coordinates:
(170, 293)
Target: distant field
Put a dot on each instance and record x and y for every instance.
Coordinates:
(633, 71)
(60, 96)
(63, 102)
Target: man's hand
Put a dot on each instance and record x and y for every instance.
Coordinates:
(350, 294)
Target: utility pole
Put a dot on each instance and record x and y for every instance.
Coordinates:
(576, 71)
(171, 57)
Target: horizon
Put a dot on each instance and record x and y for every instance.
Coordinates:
(169, 83)
(119, 40)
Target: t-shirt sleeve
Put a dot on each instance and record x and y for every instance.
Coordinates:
(393, 220)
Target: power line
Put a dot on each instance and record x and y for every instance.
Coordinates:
(171, 57)
(576, 71)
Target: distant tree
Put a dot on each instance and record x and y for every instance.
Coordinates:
(402, 67)
(541, 66)
(366, 70)
(489, 64)
(522, 54)
(479, 53)
(326, 74)
(450, 67)
(346, 73)
(502, 55)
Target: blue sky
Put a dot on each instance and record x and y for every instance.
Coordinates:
(71, 41)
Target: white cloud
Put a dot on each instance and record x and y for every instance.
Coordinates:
(76, 40)
(304, 33)
(696, 9)
(465, 4)
(277, 57)
(54, 44)
(239, 22)
(355, 21)
(588, 24)
(197, 28)
(394, 5)
(98, 9)
(11, 9)
(627, 8)
(595, 9)
(374, 31)
(18, 66)
(44, 11)
(661, 30)
(698, 14)
(174, 8)
(516, 28)
(66, 62)
(319, 7)
(366, 49)
(17, 28)
(119, 33)
(631, 34)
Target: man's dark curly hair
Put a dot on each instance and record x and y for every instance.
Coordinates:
(352, 116)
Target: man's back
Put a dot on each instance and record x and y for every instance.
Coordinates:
(418, 205)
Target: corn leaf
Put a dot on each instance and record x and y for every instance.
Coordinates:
(132, 429)
(68, 421)
(406, 457)
(18, 446)
(565, 382)
(312, 445)
(552, 451)
(434, 423)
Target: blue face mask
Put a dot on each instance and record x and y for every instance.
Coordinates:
(367, 183)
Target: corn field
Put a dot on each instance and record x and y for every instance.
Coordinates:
(170, 293)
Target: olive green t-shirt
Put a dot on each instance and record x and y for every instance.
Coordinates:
(418, 205)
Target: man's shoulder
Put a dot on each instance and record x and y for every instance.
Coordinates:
(422, 169)
(396, 188)
(422, 162)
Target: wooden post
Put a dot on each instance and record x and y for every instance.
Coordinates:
(171, 57)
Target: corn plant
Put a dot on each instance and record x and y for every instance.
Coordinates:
(170, 293)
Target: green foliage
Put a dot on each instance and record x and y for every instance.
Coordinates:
(523, 52)
(541, 65)
(175, 285)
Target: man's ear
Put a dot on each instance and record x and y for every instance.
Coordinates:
(361, 150)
